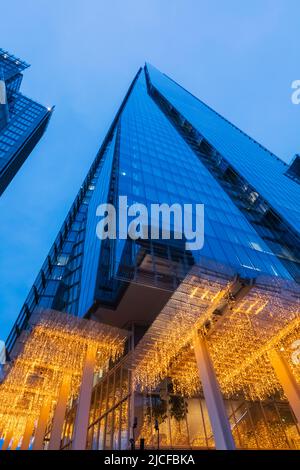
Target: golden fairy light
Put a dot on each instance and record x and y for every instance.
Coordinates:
(190, 305)
(239, 345)
(55, 346)
(239, 340)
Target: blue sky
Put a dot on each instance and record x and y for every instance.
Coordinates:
(240, 59)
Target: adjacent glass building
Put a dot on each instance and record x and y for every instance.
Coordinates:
(22, 120)
(167, 146)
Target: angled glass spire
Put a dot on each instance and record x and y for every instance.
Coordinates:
(166, 146)
(260, 167)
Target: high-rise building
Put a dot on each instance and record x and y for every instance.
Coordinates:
(212, 332)
(22, 120)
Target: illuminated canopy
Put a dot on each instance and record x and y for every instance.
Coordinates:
(239, 330)
(55, 346)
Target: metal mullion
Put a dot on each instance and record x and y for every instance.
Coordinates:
(113, 412)
(99, 421)
(106, 413)
(266, 423)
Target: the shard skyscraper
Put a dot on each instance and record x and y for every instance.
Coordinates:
(239, 291)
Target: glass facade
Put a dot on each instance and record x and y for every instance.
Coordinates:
(92, 245)
(183, 422)
(157, 166)
(262, 169)
(256, 180)
(151, 158)
(109, 412)
(22, 120)
(166, 146)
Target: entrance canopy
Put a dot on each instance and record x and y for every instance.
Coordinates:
(55, 347)
(191, 305)
(242, 321)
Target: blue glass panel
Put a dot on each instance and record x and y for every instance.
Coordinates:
(257, 165)
(156, 166)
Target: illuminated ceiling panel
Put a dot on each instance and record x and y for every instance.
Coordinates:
(55, 346)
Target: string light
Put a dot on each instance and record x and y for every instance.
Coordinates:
(190, 305)
(239, 346)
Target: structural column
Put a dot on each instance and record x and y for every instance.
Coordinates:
(59, 414)
(41, 425)
(131, 405)
(213, 397)
(287, 380)
(84, 400)
(7, 439)
(27, 434)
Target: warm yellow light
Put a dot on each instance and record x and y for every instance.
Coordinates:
(56, 346)
(239, 341)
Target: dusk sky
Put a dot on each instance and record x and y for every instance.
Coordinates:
(239, 58)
